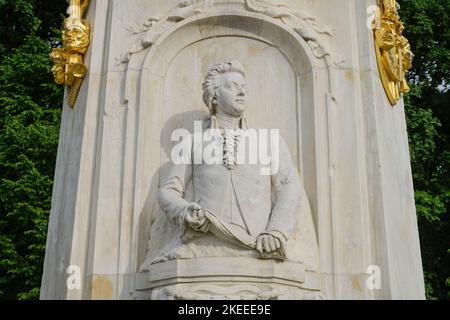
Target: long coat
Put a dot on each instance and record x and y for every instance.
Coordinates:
(242, 196)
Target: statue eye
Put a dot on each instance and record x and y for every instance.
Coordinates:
(229, 86)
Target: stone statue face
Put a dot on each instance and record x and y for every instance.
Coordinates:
(231, 95)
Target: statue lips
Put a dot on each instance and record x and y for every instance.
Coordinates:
(237, 109)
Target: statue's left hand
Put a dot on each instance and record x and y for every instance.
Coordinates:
(267, 243)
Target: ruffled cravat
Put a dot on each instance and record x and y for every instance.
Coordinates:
(231, 139)
(231, 132)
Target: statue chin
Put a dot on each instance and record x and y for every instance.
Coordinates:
(237, 110)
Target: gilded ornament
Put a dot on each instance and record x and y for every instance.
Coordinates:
(394, 55)
(69, 68)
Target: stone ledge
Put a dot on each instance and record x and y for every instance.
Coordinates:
(236, 269)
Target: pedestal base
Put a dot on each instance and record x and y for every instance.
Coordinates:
(228, 278)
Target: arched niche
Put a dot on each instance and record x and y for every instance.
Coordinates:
(163, 92)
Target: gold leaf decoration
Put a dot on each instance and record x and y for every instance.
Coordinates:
(394, 55)
(69, 68)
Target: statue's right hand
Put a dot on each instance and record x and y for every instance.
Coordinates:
(196, 219)
(194, 207)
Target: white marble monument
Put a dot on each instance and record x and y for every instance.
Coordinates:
(335, 219)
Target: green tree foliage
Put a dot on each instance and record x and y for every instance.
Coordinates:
(29, 126)
(428, 118)
(30, 107)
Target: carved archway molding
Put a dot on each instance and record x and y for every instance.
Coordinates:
(153, 39)
(298, 21)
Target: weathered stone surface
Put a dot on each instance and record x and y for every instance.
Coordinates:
(319, 85)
